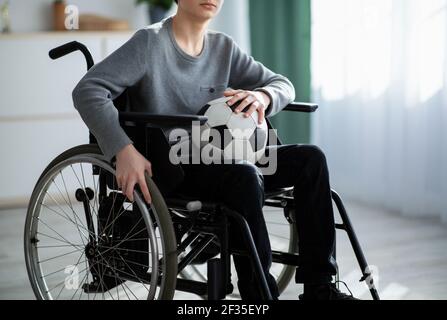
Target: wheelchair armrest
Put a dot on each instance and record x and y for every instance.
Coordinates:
(302, 107)
(162, 120)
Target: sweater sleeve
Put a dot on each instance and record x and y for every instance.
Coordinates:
(248, 74)
(93, 96)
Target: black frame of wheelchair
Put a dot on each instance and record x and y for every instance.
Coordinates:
(188, 216)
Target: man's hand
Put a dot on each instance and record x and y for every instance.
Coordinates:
(130, 169)
(255, 100)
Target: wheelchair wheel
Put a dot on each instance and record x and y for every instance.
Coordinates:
(84, 240)
(283, 237)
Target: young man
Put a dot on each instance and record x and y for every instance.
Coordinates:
(176, 67)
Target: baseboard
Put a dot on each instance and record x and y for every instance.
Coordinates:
(22, 202)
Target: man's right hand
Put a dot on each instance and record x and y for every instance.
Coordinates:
(130, 170)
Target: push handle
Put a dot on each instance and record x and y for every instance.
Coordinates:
(70, 47)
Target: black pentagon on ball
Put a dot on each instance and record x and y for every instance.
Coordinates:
(258, 139)
(234, 106)
(203, 110)
(224, 134)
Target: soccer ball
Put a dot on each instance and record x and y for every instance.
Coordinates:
(229, 137)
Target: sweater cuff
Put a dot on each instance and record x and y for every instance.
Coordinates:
(114, 141)
(270, 93)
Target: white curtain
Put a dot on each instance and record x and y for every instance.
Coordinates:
(379, 73)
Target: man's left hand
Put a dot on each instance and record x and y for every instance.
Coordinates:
(255, 100)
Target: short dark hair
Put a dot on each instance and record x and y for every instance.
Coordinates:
(176, 1)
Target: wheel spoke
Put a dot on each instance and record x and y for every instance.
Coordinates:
(62, 237)
(120, 213)
(60, 256)
(51, 247)
(65, 186)
(136, 263)
(134, 273)
(63, 269)
(66, 218)
(85, 188)
(113, 270)
(121, 242)
(59, 284)
(123, 249)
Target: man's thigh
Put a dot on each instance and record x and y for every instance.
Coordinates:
(210, 182)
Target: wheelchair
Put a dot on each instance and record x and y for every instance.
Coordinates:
(84, 239)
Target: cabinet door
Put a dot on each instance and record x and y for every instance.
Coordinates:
(33, 84)
(27, 149)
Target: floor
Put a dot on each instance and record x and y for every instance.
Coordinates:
(408, 256)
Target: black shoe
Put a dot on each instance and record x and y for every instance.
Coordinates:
(324, 292)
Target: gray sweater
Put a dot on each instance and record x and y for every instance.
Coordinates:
(163, 79)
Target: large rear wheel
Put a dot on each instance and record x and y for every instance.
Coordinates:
(85, 240)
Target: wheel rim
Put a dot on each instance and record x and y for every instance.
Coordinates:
(41, 276)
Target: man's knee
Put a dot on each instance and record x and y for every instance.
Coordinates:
(314, 161)
(315, 154)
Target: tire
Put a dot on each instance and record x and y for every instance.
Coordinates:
(106, 259)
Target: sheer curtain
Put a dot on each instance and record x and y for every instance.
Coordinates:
(379, 74)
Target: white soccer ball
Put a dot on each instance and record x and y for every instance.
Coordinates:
(229, 137)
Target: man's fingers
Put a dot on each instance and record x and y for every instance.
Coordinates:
(250, 111)
(129, 189)
(144, 189)
(249, 100)
(261, 115)
(122, 183)
(230, 93)
(118, 182)
(238, 97)
(148, 168)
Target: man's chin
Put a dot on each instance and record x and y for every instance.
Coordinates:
(206, 17)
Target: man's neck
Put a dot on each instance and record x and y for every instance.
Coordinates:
(189, 33)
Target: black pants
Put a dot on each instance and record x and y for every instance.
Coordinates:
(241, 187)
